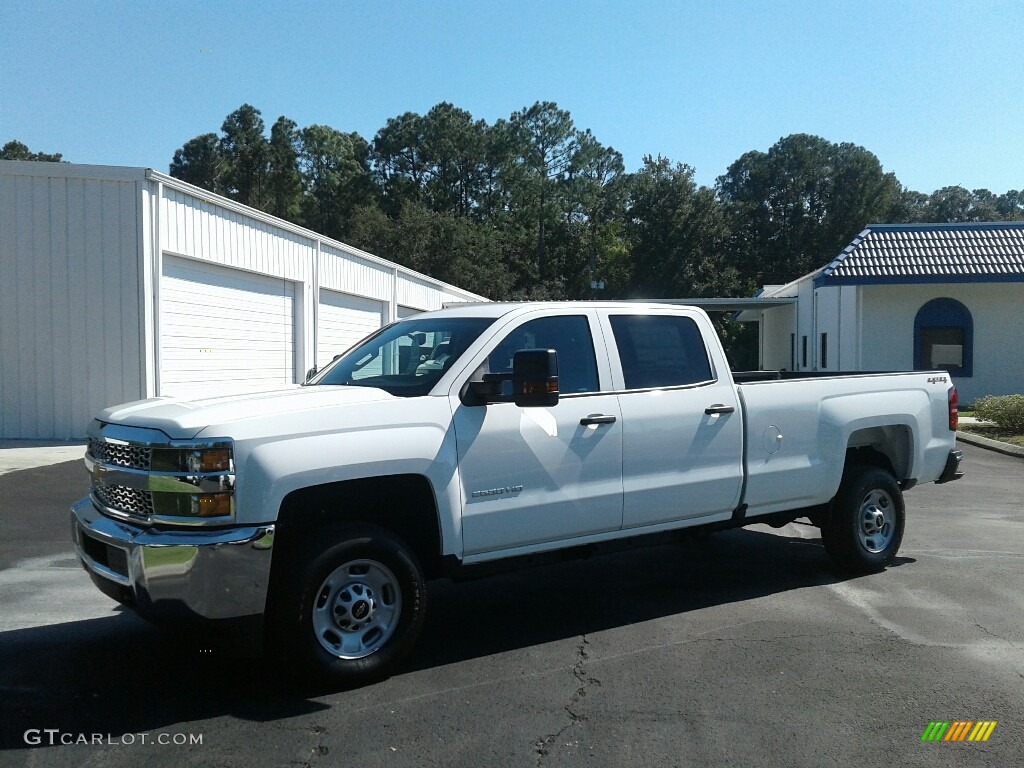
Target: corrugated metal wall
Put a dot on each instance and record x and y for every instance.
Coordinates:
(199, 228)
(70, 326)
(81, 249)
(341, 271)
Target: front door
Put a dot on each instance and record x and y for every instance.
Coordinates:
(536, 475)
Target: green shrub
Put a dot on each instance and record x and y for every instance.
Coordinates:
(1006, 411)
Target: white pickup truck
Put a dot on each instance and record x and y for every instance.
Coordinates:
(486, 435)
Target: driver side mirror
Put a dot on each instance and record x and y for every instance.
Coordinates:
(535, 378)
(534, 382)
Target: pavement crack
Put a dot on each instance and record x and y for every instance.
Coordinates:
(990, 633)
(585, 681)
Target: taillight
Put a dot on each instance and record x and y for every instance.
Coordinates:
(954, 414)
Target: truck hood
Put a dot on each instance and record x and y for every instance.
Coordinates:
(185, 418)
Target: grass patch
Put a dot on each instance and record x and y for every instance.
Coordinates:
(994, 432)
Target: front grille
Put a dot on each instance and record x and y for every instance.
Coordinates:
(129, 456)
(131, 501)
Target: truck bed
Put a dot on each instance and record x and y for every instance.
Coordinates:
(798, 429)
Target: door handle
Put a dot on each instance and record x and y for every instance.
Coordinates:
(596, 418)
(717, 408)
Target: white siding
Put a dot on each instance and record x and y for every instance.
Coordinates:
(805, 327)
(777, 346)
(198, 227)
(341, 271)
(849, 328)
(70, 327)
(826, 321)
(82, 250)
(997, 309)
(416, 292)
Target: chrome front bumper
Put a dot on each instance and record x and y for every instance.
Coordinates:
(207, 574)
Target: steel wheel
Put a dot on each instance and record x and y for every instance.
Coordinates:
(357, 609)
(877, 521)
(347, 606)
(863, 529)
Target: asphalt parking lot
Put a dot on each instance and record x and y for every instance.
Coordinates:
(741, 649)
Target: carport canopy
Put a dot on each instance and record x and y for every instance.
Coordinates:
(729, 305)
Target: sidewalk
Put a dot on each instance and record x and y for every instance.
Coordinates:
(28, 454)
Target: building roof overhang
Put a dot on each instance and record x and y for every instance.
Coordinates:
(908, 254)
(729, 305)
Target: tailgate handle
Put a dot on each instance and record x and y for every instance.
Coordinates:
(714, 410)
(596, 418)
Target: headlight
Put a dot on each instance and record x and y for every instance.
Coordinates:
(203, 505)
(194, 461)
(183, 483)
(213, 460)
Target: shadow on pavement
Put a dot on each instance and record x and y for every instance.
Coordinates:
(120, 675)
(478, 618)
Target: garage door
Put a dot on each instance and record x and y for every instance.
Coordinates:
(224, 330)
(344, 319)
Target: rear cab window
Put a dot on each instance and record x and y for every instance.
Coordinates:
(660, 351)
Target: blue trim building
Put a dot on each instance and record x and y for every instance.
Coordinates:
(909, 297)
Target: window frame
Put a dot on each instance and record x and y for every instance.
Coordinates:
(944, 314)
(501, 334)
(615, 355)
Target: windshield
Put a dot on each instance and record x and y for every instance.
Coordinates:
(406, 358)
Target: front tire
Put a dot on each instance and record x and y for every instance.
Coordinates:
(351, 607)
(864, 529)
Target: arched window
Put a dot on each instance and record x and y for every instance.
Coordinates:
(944, 338)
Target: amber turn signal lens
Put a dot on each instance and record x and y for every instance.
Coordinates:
(211, 505)
(213, 460)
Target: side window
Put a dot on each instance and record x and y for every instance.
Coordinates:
(568, 335)
(660, 351)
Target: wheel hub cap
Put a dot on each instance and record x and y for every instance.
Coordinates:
(876, 521)
(354, 606)
(357, 609)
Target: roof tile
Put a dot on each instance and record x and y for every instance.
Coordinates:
(932, 250)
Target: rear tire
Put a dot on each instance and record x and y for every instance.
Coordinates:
(350, 606)
(864, 529)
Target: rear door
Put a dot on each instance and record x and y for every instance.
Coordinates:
(682, 433)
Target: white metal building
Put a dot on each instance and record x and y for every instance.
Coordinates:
(909, 297)
(123, 283)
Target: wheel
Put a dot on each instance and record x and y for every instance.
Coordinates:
(350, 607)
(864, 529)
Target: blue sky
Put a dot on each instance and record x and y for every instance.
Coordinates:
(934, 89)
